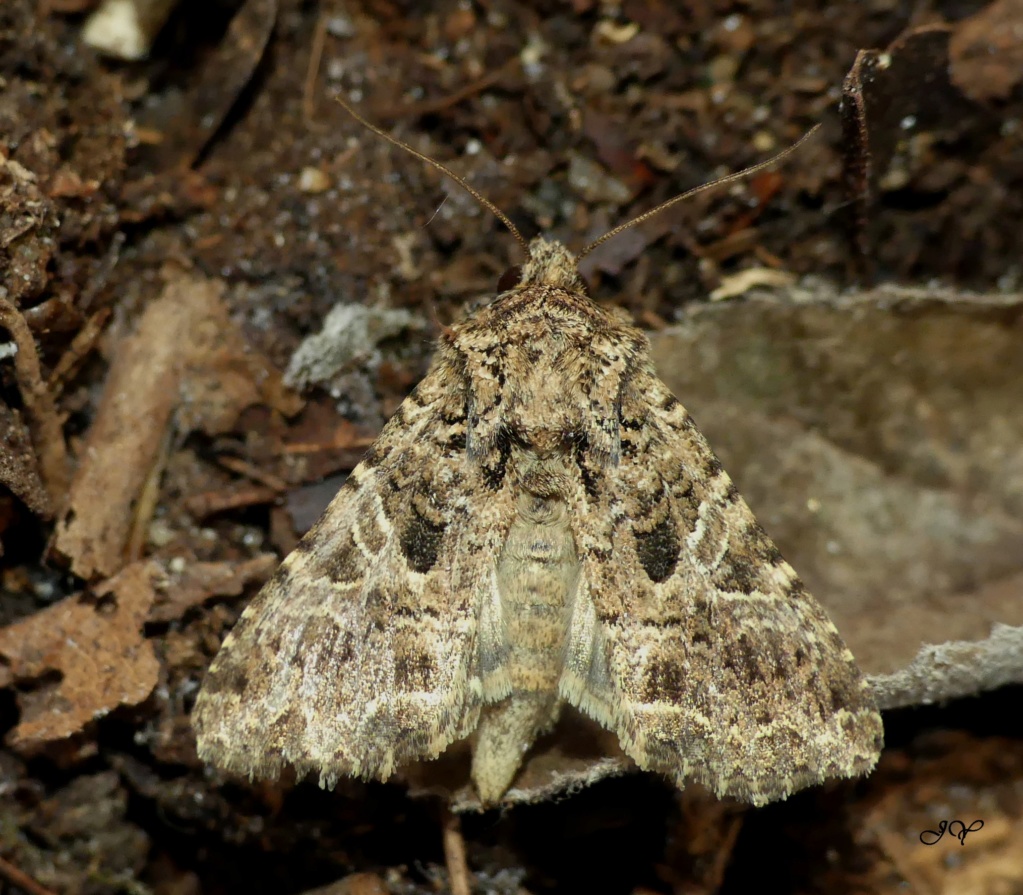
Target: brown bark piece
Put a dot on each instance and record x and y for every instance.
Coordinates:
(224, 77)
(95, 645)
(186, 365)
(888, 97)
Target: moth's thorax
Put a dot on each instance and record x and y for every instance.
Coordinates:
(540, 469)
(543, 364)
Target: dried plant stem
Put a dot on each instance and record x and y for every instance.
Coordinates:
(454, 854)
(47, 433)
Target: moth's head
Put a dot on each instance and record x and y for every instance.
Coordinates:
(548, 263)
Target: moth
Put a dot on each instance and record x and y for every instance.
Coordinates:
(540, 524)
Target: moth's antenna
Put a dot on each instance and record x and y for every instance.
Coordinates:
(486, 203)
(730, 178)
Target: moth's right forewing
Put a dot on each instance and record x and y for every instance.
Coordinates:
(693, 639)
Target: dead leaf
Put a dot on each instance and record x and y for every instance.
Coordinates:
(986, 51)
(186, 367)
(87, 655)
(354, 884)
(749, 278)
(197, 582)
(878, 439)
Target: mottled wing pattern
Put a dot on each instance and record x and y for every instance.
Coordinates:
(692, 638)
(376, 640)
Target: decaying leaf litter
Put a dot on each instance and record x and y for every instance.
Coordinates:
(636, 110)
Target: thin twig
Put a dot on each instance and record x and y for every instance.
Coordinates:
(47, 431)
(251, 471)
(78, 350)
(454, 854)
(340, 442)
(21, 880)
(315, 57)
(148, 498)
(719, 863)
(209, 503)
(440, 103)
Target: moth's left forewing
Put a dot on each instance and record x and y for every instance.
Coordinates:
(692, 638)
(365, 650)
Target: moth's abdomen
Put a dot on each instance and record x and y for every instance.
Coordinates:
(536, 580)
(537, 576)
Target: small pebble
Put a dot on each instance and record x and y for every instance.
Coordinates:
(313, 180)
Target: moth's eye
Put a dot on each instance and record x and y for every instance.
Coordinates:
(510, 279)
